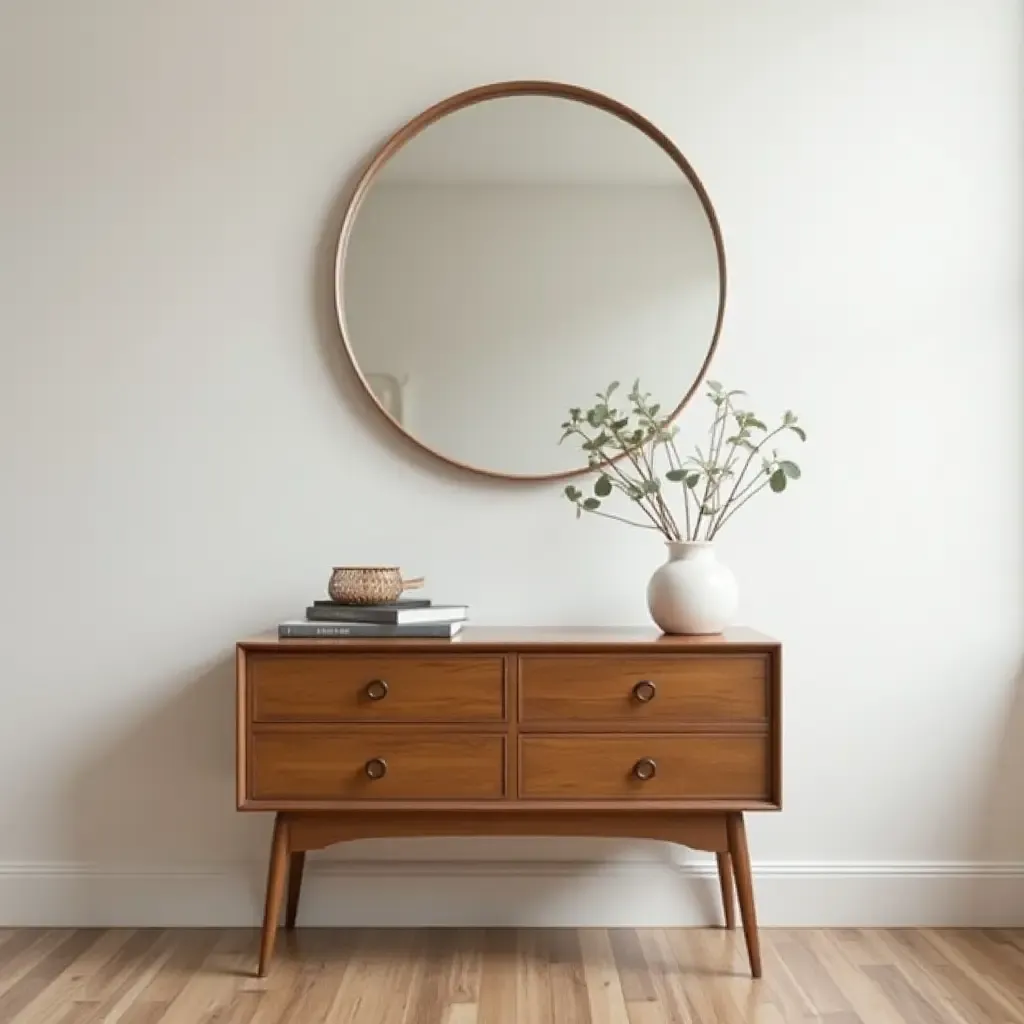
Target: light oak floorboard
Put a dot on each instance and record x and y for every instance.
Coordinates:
(473, 976)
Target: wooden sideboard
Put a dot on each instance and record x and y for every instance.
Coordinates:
(510, 731)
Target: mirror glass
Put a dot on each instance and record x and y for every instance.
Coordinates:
(512, 258)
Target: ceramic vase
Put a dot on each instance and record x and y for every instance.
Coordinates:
(692, 592)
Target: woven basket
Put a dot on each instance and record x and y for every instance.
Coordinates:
(369, 584)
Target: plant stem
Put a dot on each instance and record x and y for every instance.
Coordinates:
(630, 522)
(743, 472)
(676, 462)
(720, 414)
(728, 515)
(612, 470)
(659, 497)
(646, 472)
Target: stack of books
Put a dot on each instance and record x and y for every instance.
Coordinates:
(410, 617)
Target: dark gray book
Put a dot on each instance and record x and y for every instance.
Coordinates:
(391, 616)
(340, 630)
(402, 602)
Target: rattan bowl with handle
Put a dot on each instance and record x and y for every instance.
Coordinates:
(369, 584)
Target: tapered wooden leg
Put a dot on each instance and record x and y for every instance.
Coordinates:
(275, 890)
(296, 863)
(740, 855)
(728, 886)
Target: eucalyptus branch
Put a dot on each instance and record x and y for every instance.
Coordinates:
(641, 461)
(718, 425)
(754, 450)
(618, 479)
(677, 464)
(608, 467)
(735, 508)
(610, 515)
(624, 452)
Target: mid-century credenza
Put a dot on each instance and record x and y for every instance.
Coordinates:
(598, 732)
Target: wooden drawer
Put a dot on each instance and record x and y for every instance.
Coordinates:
(643, 689)
(307, 765)
(334, 687)
(694, 767)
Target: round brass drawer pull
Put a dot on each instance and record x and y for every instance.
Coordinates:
(645, 690)
(376, 768)
(376, 689)
(646, 768)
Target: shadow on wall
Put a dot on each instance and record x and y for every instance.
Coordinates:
(1000, 824)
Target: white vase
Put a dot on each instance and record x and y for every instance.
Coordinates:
(692, 593)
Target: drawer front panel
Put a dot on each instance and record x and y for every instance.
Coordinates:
(376, 765)
(334, 687)
(694, 767)
(644, 689)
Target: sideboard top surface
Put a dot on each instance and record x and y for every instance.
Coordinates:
(648, 639)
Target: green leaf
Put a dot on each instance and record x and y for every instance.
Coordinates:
(620, 424)
(778, 481)
(611, 387)
(753, 421)
(572, 492)
(714, 385)
(591, 504)
(800, 432)
(603, 486)
(692, 480)
(654, 410)
(791, 469)
(676, 475)
(788, 418)
(651, 486)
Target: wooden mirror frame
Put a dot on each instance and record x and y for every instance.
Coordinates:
(481, 94)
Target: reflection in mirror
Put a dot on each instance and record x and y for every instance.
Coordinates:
(512, 258)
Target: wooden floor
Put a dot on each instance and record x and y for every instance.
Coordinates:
(506, 977)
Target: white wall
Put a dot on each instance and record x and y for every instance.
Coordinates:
(184, 455)
(502, 305)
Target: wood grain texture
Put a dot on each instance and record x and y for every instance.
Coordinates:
(727, 884)
(276, 872)
(739, 856)
(606, 767)
(604, 732)
(318, 766)
(316, 831)
(649, 640)
(643, 690)
(330, 687)
(470, 976)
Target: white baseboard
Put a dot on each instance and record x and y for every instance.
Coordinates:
(634, 893)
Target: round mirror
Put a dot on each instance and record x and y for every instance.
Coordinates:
(510, 252)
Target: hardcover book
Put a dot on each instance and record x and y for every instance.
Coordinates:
(339, 630)
(386, 614)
